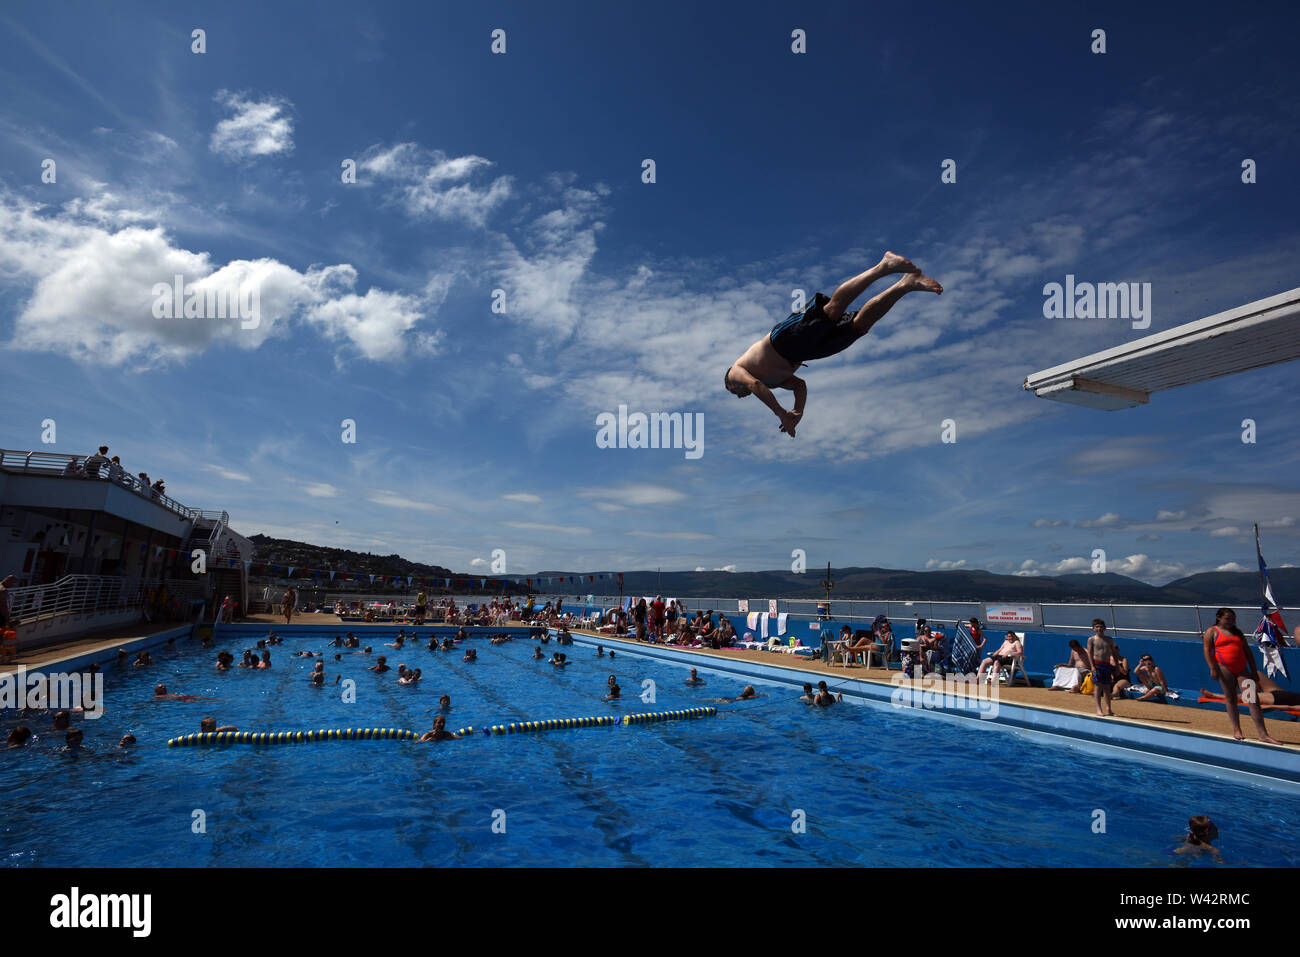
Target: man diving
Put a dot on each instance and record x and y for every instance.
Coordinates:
(824, 328)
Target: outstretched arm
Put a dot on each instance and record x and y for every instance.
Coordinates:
(788, 419)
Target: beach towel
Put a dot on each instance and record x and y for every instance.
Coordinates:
(751, 621)
(1066, 677)
(780, 623)
(762, 626)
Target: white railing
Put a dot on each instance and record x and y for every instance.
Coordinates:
(89, 595)
(57, 464)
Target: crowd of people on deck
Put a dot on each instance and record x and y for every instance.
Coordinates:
(98, 465)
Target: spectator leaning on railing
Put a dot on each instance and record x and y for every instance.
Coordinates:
(94, 462)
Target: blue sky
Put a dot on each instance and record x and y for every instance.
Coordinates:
(775, 171)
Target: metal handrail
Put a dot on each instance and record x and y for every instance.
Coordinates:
(56, 463)
(86, 594)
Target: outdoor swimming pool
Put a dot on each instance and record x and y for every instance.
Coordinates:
(878, 786)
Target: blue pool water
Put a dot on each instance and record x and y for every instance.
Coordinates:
(877, 786)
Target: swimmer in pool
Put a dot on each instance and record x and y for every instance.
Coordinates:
(824, 328)
(72, 740)
(444, 703)
(537, 652)
(824, 698)
(470, 655)
(439, 732)
(160, 694)
(209, 726)
(127, 741)
(694, 679)
(1201, 835)
(381, 665)
(807, 696)
(600, 651)
(18, 736)
(614, 692)
(748, 694)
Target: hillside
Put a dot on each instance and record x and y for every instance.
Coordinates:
(1209, 588)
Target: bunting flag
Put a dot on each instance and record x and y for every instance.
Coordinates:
(332, 576)
(291, 568)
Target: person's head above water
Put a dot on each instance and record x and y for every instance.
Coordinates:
(1202, 830)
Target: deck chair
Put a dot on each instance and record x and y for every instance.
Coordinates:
(1017, 667)
(871, 654)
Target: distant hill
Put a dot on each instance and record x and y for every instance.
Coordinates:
(284, 552)
(1207, 588)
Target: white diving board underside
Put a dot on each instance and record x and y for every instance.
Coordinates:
(1257, 334)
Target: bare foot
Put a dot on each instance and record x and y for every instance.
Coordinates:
(892, 262)
(1268, 740)
(916, 281)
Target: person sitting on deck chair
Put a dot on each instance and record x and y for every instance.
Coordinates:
(1003, 657)
(822, 329)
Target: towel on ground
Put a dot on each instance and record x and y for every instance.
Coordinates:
(1066, 677)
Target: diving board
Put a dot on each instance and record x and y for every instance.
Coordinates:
(1257, 334)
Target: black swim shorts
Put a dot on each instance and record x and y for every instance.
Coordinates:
(808, 335)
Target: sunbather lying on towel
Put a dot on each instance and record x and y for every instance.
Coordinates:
(823, 329)
(1269, 693)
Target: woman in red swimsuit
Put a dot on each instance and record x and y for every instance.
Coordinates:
(1229, 658)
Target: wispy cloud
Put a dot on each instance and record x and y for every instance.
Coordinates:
(256, 128)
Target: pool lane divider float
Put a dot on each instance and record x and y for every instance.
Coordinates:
(603, 721)
(292, 737)
(397, 734)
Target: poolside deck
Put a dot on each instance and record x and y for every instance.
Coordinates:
(1169, 717)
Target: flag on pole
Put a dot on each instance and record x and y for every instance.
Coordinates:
(1271, 635)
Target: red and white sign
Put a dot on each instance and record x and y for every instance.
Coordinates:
(1030, 615)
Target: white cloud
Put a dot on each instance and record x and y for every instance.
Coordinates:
(92, 292)
(1226, 532)
(1049, 523)
(1164, 515)
(542, 527)
(478, 562)
(256, 128)
(527, 497)
(1231, 567)
(229, 474)
(428, 184)
(393, 500)
(635, 495)
(319, 489)
(684, 536)
(945, 565)
(1109, 520)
